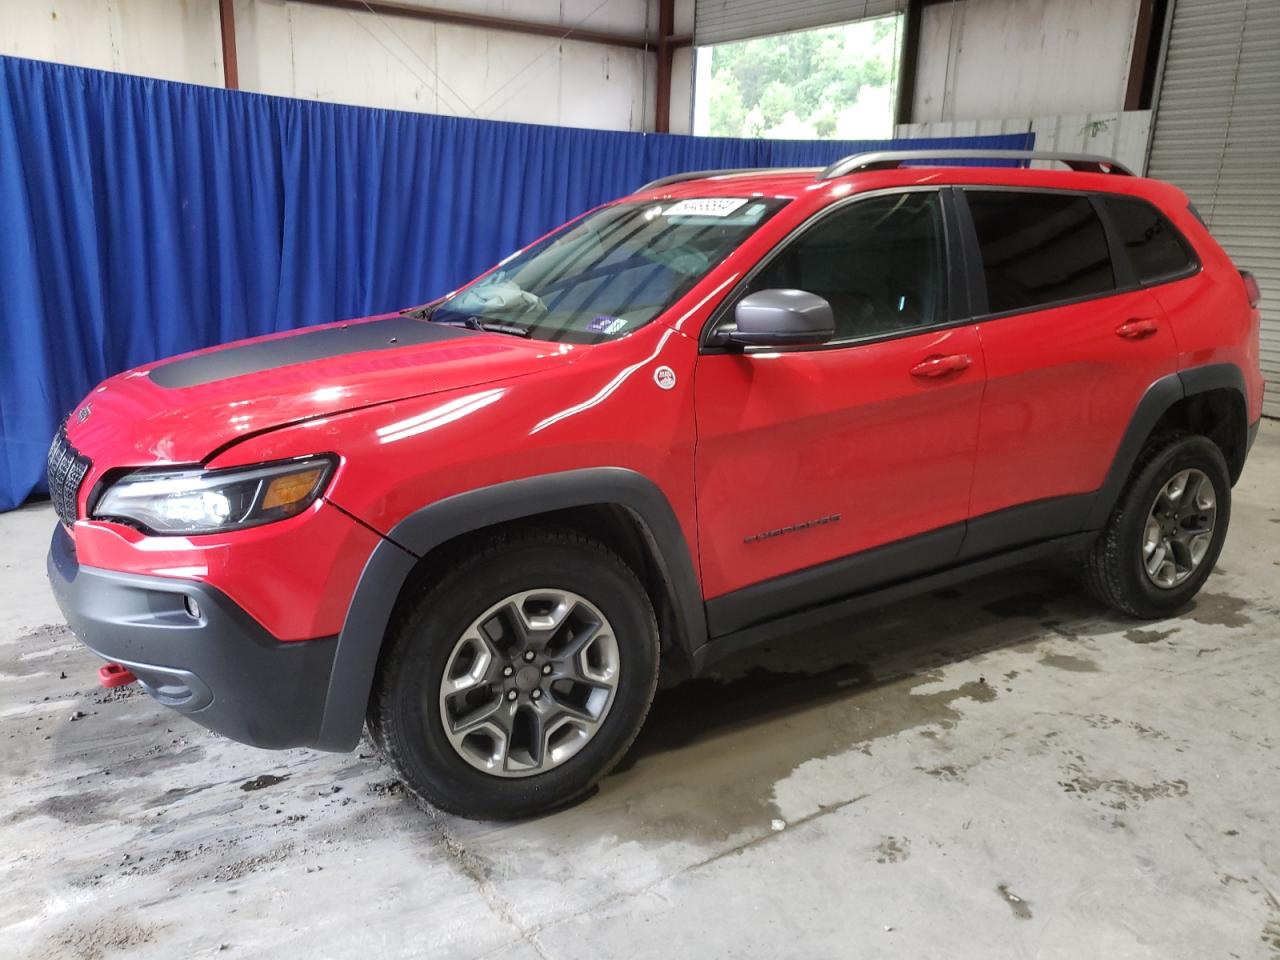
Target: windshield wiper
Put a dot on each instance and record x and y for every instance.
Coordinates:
(488, 326)
(420, 313)
(495, 326)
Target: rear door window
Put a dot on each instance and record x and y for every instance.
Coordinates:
(1154, 246)
(1039, 248)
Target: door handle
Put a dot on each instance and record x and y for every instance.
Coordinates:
(1136, 328)
(940, 366)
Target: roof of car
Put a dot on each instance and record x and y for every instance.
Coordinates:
(792, 184)
(901, 168)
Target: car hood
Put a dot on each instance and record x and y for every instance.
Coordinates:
(185, 409)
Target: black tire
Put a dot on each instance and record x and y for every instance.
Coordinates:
(404, 712)
(1114, 571)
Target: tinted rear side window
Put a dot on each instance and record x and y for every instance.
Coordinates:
(1039, 248)
(1155, 247)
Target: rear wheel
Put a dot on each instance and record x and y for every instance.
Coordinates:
(516, 681)
(1164, 537)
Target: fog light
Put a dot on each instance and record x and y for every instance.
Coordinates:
(193, 608)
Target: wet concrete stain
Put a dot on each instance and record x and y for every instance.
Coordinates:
(893, 850)
(263, 781)
(80, 809)
(1021, 908)
(1148, 636)
(1117, 793)
(1066, 661)
(173, 795)
(947, 771)
(827, 713)
(1100, 722)
(1218, 610)
(159, 758)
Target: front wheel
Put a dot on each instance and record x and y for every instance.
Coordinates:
(1164, 537)
(518, 679)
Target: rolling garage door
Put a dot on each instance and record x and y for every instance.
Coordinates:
(719, 21)
(1217, 136)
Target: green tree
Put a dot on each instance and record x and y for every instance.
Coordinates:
(728, 113)
(799, 80)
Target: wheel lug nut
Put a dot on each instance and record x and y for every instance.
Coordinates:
(536, 694)
(507, 671)
(511, 694)
(546, 669)
(528, 655)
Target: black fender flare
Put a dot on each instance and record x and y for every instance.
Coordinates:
(1159, 398)
(388, 567)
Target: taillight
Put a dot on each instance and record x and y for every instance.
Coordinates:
(1251, 288)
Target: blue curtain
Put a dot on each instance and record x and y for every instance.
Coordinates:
(141, 218)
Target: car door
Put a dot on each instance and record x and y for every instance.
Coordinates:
(824, 470)
(1071, 344)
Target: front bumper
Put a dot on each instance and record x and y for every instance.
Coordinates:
(221, 667)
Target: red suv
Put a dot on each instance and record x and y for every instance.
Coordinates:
(724, 408)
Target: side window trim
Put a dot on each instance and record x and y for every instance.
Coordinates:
(1122, 268)
(966, 239)
(707, 345)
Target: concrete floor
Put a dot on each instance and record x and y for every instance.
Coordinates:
(1004, 770)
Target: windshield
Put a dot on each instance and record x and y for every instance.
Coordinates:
(610, 272)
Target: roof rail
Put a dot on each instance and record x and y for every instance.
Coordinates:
(892, 159)
(703, 174)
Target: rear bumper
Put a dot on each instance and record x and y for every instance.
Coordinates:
(220, 667)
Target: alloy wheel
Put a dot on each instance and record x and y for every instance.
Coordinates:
(529, 682)
(1179, 528)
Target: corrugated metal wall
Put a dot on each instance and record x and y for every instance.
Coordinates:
(719, 21)
(1217, 136)
(1118, 134)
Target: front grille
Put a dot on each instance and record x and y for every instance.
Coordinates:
(66, 472)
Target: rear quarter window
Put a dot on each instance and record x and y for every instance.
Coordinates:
(1154, 246)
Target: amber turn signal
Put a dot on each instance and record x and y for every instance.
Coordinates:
(290, 488)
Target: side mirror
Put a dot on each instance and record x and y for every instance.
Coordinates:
(782, 318)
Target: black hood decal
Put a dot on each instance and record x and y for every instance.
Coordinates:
(236, 361)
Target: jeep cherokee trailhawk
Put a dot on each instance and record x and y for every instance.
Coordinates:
(715, 411)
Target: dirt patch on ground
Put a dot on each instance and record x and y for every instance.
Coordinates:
(893, 850)
(75, 808)
(262, 781)
(1021, 908)
(111, 934)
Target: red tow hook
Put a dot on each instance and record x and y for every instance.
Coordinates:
(115, 675)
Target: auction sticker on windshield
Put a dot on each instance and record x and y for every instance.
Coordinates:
(704, 207)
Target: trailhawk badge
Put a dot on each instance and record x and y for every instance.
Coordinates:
(664, 377)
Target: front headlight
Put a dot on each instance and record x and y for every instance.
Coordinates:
(210, 501)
